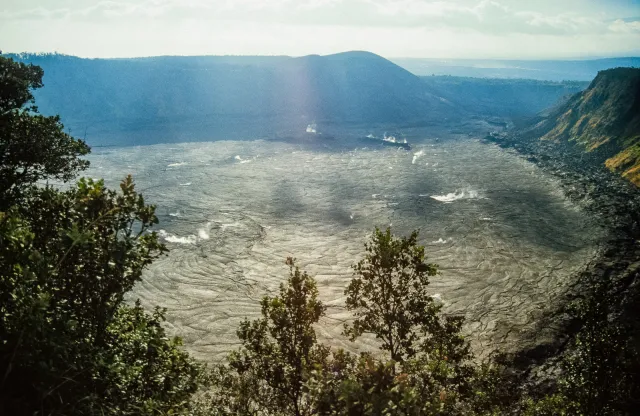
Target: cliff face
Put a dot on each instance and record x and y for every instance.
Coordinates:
(603, 119)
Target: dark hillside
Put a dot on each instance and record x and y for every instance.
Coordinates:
(503, 97)
(168, 99)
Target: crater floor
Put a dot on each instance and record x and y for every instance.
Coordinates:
(503, 234)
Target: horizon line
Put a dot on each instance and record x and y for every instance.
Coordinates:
(584, 58)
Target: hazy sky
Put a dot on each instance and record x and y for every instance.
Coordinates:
(392, 28)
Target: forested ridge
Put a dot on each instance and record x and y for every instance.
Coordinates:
(71, 345)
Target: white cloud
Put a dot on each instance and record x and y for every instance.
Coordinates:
(390, 27)
(620, 26)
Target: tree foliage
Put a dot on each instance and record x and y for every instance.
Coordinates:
(427, 369)
(388, 294)
(17, 80)
(267, 375)
(281, 369)
(69, 344)
(33, 147)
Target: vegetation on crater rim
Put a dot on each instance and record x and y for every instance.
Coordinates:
(70, 344)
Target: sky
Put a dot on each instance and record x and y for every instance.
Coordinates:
(474, 29)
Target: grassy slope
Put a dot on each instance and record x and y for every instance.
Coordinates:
(605, 118)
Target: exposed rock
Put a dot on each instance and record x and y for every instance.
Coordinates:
(603, 121)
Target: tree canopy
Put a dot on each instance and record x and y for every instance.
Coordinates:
(388, 294)
(69, 344)
(424, 367)
(33, 147)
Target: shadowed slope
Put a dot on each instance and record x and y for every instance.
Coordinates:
(200, 98)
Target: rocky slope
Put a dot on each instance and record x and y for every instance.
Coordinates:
(603, 120)
(615, 203)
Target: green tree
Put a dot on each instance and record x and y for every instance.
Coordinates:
(354, 385)
(32, 147)
(428, 369)
(281, 369)
(388, 294)
(599, 370)
(17, 80)
(69, 344)
(267, 375)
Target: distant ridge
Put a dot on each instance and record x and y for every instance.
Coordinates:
(543, 70)
(604, 120)
(171, 98)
